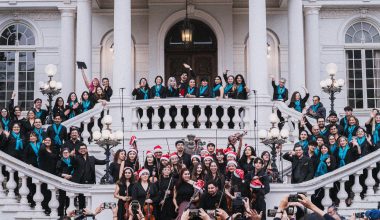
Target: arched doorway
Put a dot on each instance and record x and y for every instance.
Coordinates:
(201, 55)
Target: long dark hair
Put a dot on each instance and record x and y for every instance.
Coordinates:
(193, 174)
(242, 79)
(123, 180)
(244, 158)
(180, 179)
(220, 78)
(162, 80)
(88, 96)
(146, 85)
(117, 154)
(56, 103)
(209, 173)
(69, 98)
(293, 98)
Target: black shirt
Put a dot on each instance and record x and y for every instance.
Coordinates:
(184, 192)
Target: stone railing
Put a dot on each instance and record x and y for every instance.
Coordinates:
(337, 179)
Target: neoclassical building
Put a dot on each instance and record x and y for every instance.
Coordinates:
(125, 40)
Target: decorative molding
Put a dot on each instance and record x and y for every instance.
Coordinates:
(312, 10)
(341, 13)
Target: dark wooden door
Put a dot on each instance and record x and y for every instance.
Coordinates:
(204, 65)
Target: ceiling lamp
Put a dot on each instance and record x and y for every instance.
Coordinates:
(187, 29)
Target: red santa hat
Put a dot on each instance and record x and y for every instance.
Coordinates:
(219, 150)
(132, 140)
(231, 154)
(157, 148)
(149, 153)
(239, 173)
(232, 162)
(174, 154)
(208, 156)
(142, 171)
(204, 150)
(225, 151)
(256, 184)
(199, 184)
(196, 156)
(165, 157)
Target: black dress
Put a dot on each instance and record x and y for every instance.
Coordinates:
(10, 147)
(160, 92)
(140, 194)
(240, 94)
(184, 193)
(141, 93)
(172, 92)
(167, 210)
(114, 170)
(124, 190)
(41, 114)
(47, 162)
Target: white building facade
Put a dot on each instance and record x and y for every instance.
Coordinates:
(293, 39)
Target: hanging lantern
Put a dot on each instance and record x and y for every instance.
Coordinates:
(187, 30)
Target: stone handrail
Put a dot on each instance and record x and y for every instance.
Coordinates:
(96, 110)
(284, 109)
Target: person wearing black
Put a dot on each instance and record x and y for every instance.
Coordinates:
(59, 108)
(132, 159)
(218, 89)
(144, 191)
(14, 142)
(182, 87)
(166, 208)
(297, 102)
(48, 159)
(183, 157)
(228, 89)
(37, 128)
(115, 165)
(57, 132)
(280, 93)
(86, 102)
(151, 165)
(343, 121)
(240, 89)
(214, 198)
(246, 161)
(313, 153)
(64, 169)
(142, 90)
(351, 128)
(72, 108)
(204, 89)
(15, 113)
(183, 192)
(213, 175)
(191, 90)
(172, 89)
(302, 167)
(316, 110)
(84, 170)
(74, 142)
(333, 120)
(158, 90)
(40, 113)
(5, 121)
(123, 191)
(107, 88)
(31, 156)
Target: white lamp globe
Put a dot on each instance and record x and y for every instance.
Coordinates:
(107, 119)
(322, 83)
(96, 135)
(329, 82)
(46, 86)
(119, 135)
(273, 118)
(284, 133)
(41, 84)
(50, 70)
(274, 132)
(340, 82)
(53, 84)
(106, 134)
(112, 136)
(331, 69)
(263, 134)
(59, 85)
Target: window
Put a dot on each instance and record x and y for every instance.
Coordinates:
(17, 65)
(362, 32)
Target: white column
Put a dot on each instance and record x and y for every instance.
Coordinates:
(67, 64)
(83, 42)
(312, 45)
(296, 45)
(257, 75)
(122, 75)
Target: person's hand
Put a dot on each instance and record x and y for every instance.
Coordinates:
(234, 216)
(97, 210)
(72, 153)
(176, 208)
(185, 215)
(222, 214)
(292, 153)
(203, 215)
(14, 95)
(75, 106)
(305, 201)
(128, 198)
(368, 138)
(352, 217)
(271, 76)
(283, 203)
(328, 161)
(6, 133)
(354, 142)
(284, 216)
(187, 66)
(148, 201)
(254, 215)
(68, 177)
(246, 204)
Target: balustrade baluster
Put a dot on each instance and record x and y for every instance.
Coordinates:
(202, 119)
(96, 125)
(144, 118)
(357, 187)
(155, 118)
(135, 119)
(236, 118)
(342, 194)
(38, 197)
(326, 201)
(53, 204)
(245, 119)
(178, 118)
(167, 118)
(23, 191)
(190, 117)
(11, 184)
(296, 131)
(2, 191)
(370, 181)
(214, 118)
(85, 133)
(71, 206)
(225, 117)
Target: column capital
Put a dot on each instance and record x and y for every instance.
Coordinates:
(312, 10)
(67, 11)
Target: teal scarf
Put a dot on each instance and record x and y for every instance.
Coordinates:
(304, 145)
(350, 131)
(38, 114)
(5, 123)
(376, 134)
(227, 88)
(342, 155)
(322, 166)
(240, 88)
(215, 89)
(297, 106)
(280, 92)
(17, 137)
(360, 140)
(345, 122)
(145, 92)
(39, 134)
(67, 161)
(333, 148)
(190, 91)
(157, 89)
(323, 132)
(86, 105)
(315, 107)
(72, 111)
(57, 130)
(36, 148)
(202, 90)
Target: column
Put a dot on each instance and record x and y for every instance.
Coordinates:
(312, 45)
(122, 75)
(83, 42)
(67, 70)
(257, 75)
(296, 45)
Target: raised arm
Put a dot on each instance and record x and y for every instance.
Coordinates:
(86, 81)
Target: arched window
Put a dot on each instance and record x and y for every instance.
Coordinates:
(362, 32)
(17, 65)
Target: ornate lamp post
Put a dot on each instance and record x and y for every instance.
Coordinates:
(332, 85)
(50, 88)
(273, 138)
(107, 140)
